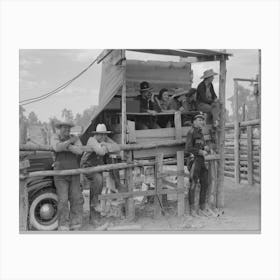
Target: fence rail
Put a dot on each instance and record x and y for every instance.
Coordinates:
(243, 151)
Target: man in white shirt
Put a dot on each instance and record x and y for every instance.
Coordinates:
(102, 145)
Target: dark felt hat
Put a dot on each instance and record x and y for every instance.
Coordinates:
(144, 86)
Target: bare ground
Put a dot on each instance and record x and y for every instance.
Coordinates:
(241, 214)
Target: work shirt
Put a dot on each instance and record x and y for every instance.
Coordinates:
(65, 156)
(205, 94)
(147, 104)
(195, 141)
(97, 157)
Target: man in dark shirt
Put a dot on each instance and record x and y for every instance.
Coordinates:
(68, 189)
(195, 145)
(147, 105)
(206, 97)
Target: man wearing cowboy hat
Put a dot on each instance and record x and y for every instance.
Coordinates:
(67, 149)
(102, 145)
(149, 105)
(195, 146)
(207, 100)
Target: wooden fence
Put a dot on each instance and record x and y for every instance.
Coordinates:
(243, 151)
(128, 165)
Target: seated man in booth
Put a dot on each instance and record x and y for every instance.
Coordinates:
(207, 100)
(147, 105)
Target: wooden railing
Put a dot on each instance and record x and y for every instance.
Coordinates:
(243, 151)
(128, 166)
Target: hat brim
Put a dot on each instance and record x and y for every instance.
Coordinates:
(101, 132)
(180, 93)
(207, 76)
(146, 89)
(199, 116)
(59, 125)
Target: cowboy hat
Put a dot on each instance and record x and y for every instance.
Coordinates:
(144, 86)
(199, 115)
(181, 91)
(101, 129)
(59, 124)
(208, 73)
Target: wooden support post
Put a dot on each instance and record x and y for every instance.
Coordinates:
(236, 135)
(123, 124)
(243, 112)
(221, 136)
(158, 185)
(23, 205)
(180, 183)
(250, 156)
(130, 206)
(178, 125)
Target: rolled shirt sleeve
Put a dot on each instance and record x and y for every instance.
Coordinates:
(59, 146)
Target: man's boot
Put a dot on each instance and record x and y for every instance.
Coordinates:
(94, 217)
(202, 211)
(193, 211)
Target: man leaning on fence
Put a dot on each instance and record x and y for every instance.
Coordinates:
(102, 145)
(67, 148)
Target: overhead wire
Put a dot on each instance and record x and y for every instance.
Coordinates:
(60, 88)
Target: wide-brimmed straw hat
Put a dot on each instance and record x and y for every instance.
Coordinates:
(180, 91)
(208, 73)
(101, 129)
(59, 124)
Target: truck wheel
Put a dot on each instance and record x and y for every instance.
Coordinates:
(43, 211)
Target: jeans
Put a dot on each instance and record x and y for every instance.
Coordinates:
(214, 109)
(198, 174)
(68, 189)
(95, 181)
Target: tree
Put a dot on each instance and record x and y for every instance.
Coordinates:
(245, 96)
(67, 115)
(52, 121)
(32, 118)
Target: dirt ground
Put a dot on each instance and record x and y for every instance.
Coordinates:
(241, 214)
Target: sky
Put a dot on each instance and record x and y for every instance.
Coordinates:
(41, 71)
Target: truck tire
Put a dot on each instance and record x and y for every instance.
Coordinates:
(43, 211)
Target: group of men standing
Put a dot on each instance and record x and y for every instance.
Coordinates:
(70, 155)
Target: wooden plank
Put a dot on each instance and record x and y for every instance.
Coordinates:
(23, 205)
(180, 184)
(131, 132)
(178, 126)
(221, 134)
(130, 207)
(229, 174)
(158, 185)
(136, 194)
(236, 134)
(250, 155)
(123, 119)
(243, 124)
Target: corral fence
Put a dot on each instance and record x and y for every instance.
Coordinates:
(243, 151)
(215, 193)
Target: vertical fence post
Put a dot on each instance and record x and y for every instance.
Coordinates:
(178, 125)
(236, 135)
(130, 206)
(23, 205)
(221, 134)
(158, 185)
(180, 183)
(249, 155)
(123, 120)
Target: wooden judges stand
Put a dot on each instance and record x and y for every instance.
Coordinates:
(121, 78)
(129, 165)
